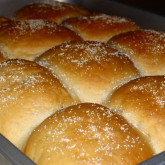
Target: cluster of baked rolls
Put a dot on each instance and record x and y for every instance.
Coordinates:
(81, 88)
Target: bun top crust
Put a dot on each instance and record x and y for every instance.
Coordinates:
(86, 134)
(30, 38)
(146, 48)
(88, 69)
(142, 103)
(99, 27)
(28, 94)
(51, 10)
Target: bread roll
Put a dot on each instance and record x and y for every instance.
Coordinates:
(60, 105)
(99, 27)
(86, 134)
(142, 103)
(88, 69)
(30, 38)
(49, 10)
(146, 48)
(28, 94)
(2, 21)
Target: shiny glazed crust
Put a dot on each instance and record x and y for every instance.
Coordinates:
(88, 69)
(142, 103)
(52, 11)
(86, 134)
(145, 47)
(30, 38)
(53, 99)
(99, 27)
(29, 93)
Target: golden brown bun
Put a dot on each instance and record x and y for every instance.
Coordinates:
(88, 69)
(146, 48)
(142, 103)
(28, 39)
(86, 134)
(28, 94)
(99, 27)
(53, 11)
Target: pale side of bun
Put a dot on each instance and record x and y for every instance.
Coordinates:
(142, 103)
(30, 38)
(87, 134)
(145, 47)
(88, 69)
(51, 10)
(100, 27)
(28, 94)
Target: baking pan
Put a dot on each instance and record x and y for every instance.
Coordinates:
(9, 154)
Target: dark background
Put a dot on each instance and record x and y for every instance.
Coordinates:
(157, 6)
